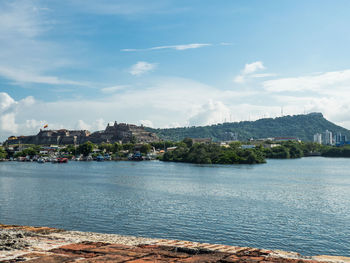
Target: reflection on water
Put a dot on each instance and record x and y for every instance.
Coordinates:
(300, 205)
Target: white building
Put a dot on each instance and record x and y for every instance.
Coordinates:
(318, 138)
(328, 137)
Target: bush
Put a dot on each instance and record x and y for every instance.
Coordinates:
(213, 154)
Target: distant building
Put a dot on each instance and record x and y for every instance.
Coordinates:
(340, 139)
(248, 146)
(123, 132)
(318, 138)
(270, 146)
(169, 149)
(328, 138)
(202, 140)
(113, 133)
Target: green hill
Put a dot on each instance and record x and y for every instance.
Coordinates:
(300, 126)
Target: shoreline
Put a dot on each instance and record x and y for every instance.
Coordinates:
(45, 244)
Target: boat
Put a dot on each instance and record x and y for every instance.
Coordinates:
(41, 160)
(100, 158)
(78, 158)
(107, 157)
(136, 157)
(62, 160)
(86, 158)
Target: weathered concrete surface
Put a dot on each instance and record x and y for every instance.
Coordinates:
(43, 244)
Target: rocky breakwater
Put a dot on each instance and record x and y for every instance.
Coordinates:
(43, 244)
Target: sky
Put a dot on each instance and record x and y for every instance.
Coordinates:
(80, 64)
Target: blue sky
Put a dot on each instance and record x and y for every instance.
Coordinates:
(81, 64)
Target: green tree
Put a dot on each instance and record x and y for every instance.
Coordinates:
(117, 147)
(86, 148)
(188, 142)
(212, 153)
(71, 149)
(235, 145)
(294, 148)
(107, 147)
(129, 147)
(27, 152)
(331, 151)
(145, 148)
(3, 153)
(279, 152)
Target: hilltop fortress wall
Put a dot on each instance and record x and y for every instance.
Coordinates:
(121, 132)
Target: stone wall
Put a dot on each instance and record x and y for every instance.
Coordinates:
(113, 133)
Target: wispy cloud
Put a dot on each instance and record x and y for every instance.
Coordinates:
(19, 19)
(23, 76)
(25, 56)
(120, 7)
(174, 47)
(141, 67)
(263, 75)
(113, 89)
(329, 82)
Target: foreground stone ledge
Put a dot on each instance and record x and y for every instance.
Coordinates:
(44, 244)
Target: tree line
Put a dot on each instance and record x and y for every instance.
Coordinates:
(187, 151)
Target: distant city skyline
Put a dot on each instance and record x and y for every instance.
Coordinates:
(166, 63)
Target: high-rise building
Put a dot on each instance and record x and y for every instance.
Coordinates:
(318, 138)
(328, 138)
(339, 138)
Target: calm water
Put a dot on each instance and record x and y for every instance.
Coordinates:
(300, 205)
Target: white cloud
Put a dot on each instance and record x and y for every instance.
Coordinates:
(327, 83)
(175, 47)
(28, 101)
(253, 67)
(7, 113)
(210, 113)
(113, 89)
(146, 123)
(263, 75)
(5, 101)
(30, 77)
(7, 123)
(19, 18)
(141, 67)
(25, 57)
(248, 71)
(81, 125)
(163, 101)
(239, 79)
(175, 125)
(99, 124)
(166, 102)
(9, 109)
(34, 124)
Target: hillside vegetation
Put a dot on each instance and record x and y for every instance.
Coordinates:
(301, 126)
